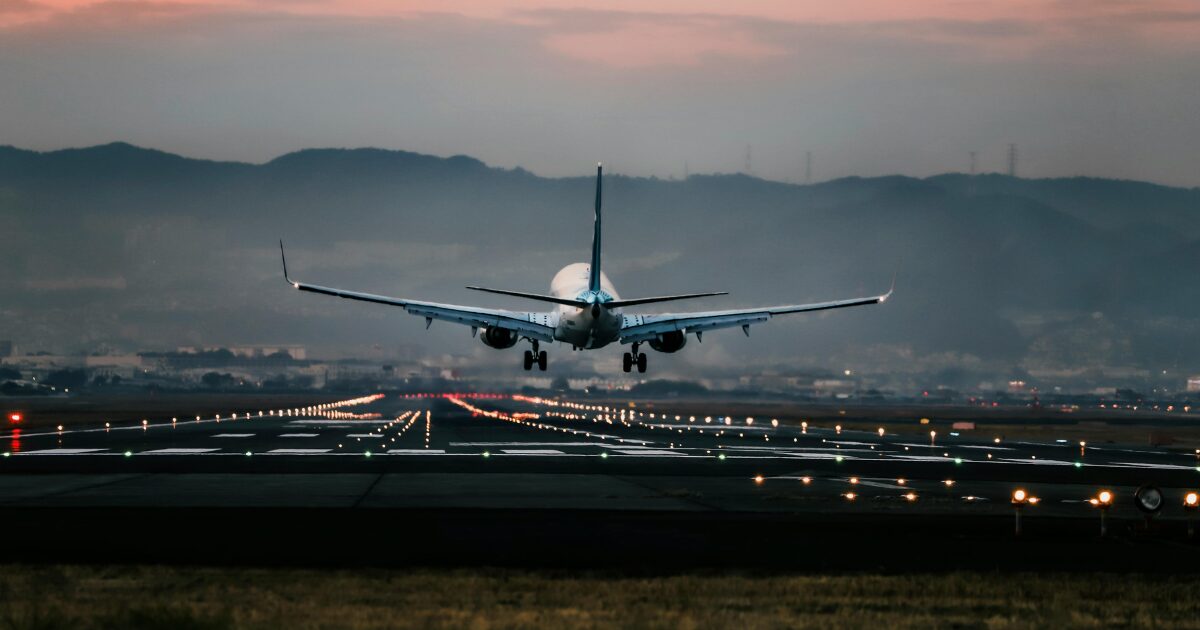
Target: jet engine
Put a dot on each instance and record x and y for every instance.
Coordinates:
(499, 338)
(669, 342)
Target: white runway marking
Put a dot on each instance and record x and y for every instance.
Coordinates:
(415, 451)
(1148, 465)
(62, 451)
(298, 451)
(525, 444)
(342, 422)
(179, 451)
(531, 451)
(1037, 462)
(361, 435)
(299, 435)
(233, 435)
(647, 452)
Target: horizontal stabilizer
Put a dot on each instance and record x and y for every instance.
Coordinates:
(531, 296)
(661, 298)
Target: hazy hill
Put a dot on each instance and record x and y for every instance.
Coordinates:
(118, 246)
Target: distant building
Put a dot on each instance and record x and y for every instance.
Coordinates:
(1193, 384)
(296, 352)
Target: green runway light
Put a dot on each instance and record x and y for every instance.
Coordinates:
(128, 453)
(721, 457)
(1079, 464)
(603, 455)
(838, 459)
(6, 453)
(487, 454)
(247, 453)
(368, 453)
(957, 460)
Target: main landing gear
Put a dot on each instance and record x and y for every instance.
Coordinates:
(634, 358)
(535, 356)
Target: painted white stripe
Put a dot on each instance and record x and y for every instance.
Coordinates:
(1148, 465)
(299, 451)
(179, 451)
(1036, 462)
(299, 435)
(647, 452)
(233, 435)
(531, 451)
(525, 444)
(62, 451)
(362, 435)
(374, 421)
(415, 451)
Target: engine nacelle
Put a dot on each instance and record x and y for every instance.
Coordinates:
(499, 338)
(669, 342)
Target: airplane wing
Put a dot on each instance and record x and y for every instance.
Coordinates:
(638, 328)
(538, 326)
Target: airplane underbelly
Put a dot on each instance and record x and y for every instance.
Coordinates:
(581, 331)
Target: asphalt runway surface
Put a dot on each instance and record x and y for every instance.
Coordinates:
(503, 480)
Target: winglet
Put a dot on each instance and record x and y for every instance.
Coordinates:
(892, 289)
(284, 259)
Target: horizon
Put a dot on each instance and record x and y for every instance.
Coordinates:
(608, 166)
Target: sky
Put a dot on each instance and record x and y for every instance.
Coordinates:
(1106, 88)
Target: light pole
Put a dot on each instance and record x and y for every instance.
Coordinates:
(1191, 501)
(1103, 501)
(1021, 498)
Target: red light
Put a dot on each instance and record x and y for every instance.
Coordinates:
(16, 417)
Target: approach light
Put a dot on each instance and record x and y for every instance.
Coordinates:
(1105, 498)
(808, 480)
(850, 496)
(880, 431)
(1191, 501)
(911, 496)
(1019, 496)
(16, 417)
(854, 480)
(758, 479)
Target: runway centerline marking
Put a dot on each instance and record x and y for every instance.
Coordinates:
(233, 435)
(62, 451)
(179, 451)
(298, 451)
(532, 451)
(298, 435)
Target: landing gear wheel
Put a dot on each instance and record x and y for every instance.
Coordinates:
(627, 362)
(541, 360)
(641, 363)
(528, 360)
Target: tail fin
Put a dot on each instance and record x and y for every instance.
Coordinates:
(594, 270)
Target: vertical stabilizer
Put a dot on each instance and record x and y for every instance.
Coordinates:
(594, 270)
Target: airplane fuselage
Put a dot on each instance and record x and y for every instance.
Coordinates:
(586, 327)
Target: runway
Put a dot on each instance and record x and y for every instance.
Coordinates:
(521, 452)
(466, 480)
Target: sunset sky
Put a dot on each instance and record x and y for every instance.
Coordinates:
(1095, 87)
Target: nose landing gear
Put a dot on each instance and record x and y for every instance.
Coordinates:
(634, 358)
(535, 357)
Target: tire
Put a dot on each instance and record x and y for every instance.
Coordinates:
(627, 362)
(641, 363)
(541, 360)
(528, 360)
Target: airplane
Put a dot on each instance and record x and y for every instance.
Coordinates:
(589, 315)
